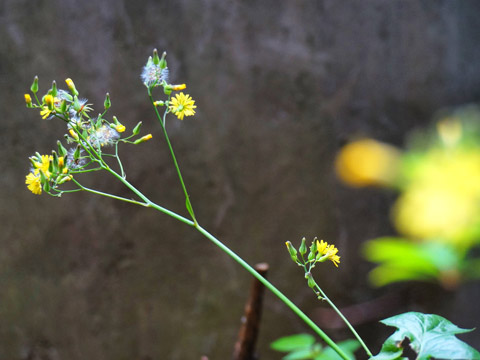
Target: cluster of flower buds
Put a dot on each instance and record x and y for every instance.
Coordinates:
(319, 251)
(89, 134)
(48, 171)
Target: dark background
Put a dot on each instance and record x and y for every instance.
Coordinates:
(280, 87)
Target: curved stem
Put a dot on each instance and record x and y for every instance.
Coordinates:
(352, 329)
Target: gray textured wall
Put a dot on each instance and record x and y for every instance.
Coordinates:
(280, 86)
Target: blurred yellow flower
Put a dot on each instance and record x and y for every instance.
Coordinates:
(440, 201)
(182, 105)
(367, 162)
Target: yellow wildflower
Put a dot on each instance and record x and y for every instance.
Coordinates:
(43, 165)
(182, 105)
(328, 251)
(367, 162)
(28, 100)
(179, 87)
(120, 128)
(34, 184)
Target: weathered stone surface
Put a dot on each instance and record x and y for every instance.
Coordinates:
(279, 85)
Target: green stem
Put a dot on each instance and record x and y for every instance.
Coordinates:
(162, 124)
(354, 332)
(274, 290)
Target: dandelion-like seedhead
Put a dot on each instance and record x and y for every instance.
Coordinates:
(153, 74)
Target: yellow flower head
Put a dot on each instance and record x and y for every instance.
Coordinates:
(45, 112)
(49, 101)
(43, 165)
(33, 183)
(182, 105)
(367, 162)
(179, 87)
(28, 99)
(120, 128)
(328, 251)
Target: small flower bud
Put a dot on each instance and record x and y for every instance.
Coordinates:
(63, 106)
(53, 91)
(179, 87)
(156, 58)
(49, 101)
(136, 129)
(71, 86)
(28, 100)
(159, 103)
(64, 179)
(120, 128)
(34, 87)
(76, 154)
(292, 251)
(303, 247)
(61, 150)
(73, 134)
(61, 162)
(163, 61)
(107, 103)
(311, 282)
(143, 139)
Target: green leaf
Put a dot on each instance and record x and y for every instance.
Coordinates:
(430, 336)
(403, 260)
(301, 354)
(292, 342)
(347, 346)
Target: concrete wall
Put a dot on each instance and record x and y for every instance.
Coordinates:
(280, 86)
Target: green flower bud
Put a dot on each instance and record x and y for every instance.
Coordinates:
(34, 87)
(311, 282)
(76, 154)
(61, 150)
(163, 61)
(136, 129)
(53, 91)
(303, 247)
(55, 160)
(292, 251)
(107, 103)
(63, 106)
(143, 139)
(156, 59)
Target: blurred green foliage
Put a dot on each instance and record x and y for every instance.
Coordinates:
(437, 212)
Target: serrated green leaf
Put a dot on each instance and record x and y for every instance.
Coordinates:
(292, 342)
(429, 335)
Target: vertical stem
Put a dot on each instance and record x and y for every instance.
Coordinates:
(162, 124)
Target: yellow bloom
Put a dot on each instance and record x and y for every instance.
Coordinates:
(328, 251)
(179, 87)
(43, 165)
(34, 184)
(120, 128)
(182, 105)
(367, 162)
(45, 112)
(49, 101)
(28, 99)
